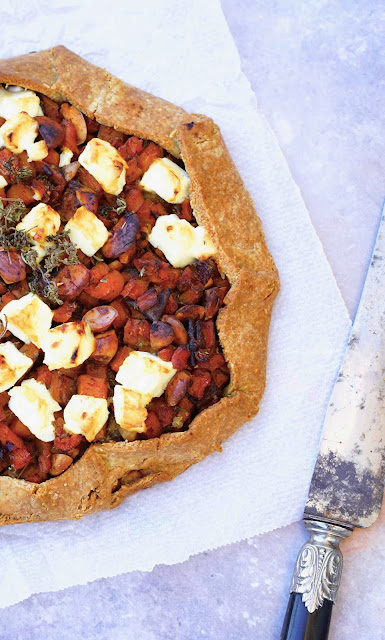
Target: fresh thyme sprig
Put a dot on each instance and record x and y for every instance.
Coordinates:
(59, 251)
(20, 174)
(120, 208)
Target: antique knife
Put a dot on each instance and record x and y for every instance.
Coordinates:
(348, 481)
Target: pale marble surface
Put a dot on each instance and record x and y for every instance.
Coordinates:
(318, 71)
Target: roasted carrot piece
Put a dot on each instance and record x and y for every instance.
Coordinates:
(44, 375)
(63, 440)
(45, 456)
(134, 288)
(62, 387)
(134, 199)
(199, 381)
(18, 453)
(91, 386)
(106, 346)
(105, 284)
(137, 333)
(119, 358)
(64, 312)
(153, 427)
(22, 192)
(21, 429)
(123, 313)
(148, 155)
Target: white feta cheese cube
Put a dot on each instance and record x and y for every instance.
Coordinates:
(167, 179)
(68, 345)
(180, 242)
(146, 373)
(15, 99)
(86, 231)
(33, 404)
(129, 409)
(105, 164)
(13, 365)
(40, 222)
(28, 318)
(85, 415)
(18, 134)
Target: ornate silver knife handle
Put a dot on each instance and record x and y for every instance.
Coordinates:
(315, 582)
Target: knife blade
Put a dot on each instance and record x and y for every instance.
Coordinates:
(347, 486)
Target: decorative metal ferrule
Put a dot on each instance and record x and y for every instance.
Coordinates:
(318, 568)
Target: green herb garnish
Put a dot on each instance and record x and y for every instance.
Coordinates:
(120, 208)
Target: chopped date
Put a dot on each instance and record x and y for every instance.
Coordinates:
(87, 198)
(132, 147)
(157, 271)
(152, 303)
(208, 333)
(72, 280)
(64, 441)
(190, 312)
(147, 299)
(180, 333)
(213, 300)
(51, 132)
(62, 387)
(12, 267)
(100, 318)
(111, 135)
(177, 388)
(164, 412)
(122, 236)
(44, 459)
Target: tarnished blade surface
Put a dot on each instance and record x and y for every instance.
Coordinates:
(348, 479)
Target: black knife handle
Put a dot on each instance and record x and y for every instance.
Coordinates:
(299, 624)
(315, 583)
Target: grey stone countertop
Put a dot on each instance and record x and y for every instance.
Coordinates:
(317, 68)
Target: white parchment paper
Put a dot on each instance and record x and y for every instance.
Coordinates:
(183, 51)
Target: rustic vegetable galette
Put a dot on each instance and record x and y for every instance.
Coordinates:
(136, 289)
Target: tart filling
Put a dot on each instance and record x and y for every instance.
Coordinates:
(109, 289)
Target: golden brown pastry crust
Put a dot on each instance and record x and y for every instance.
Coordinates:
(222, 204)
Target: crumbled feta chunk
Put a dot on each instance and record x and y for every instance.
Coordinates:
(105, 164)
(68, 345)
(180, 242)
(86, 231)
(168, 180)
(33, 404)
(28, 318)
(13, 365)
(85, 415)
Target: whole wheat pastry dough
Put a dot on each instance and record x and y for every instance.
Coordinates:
(223, 206)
